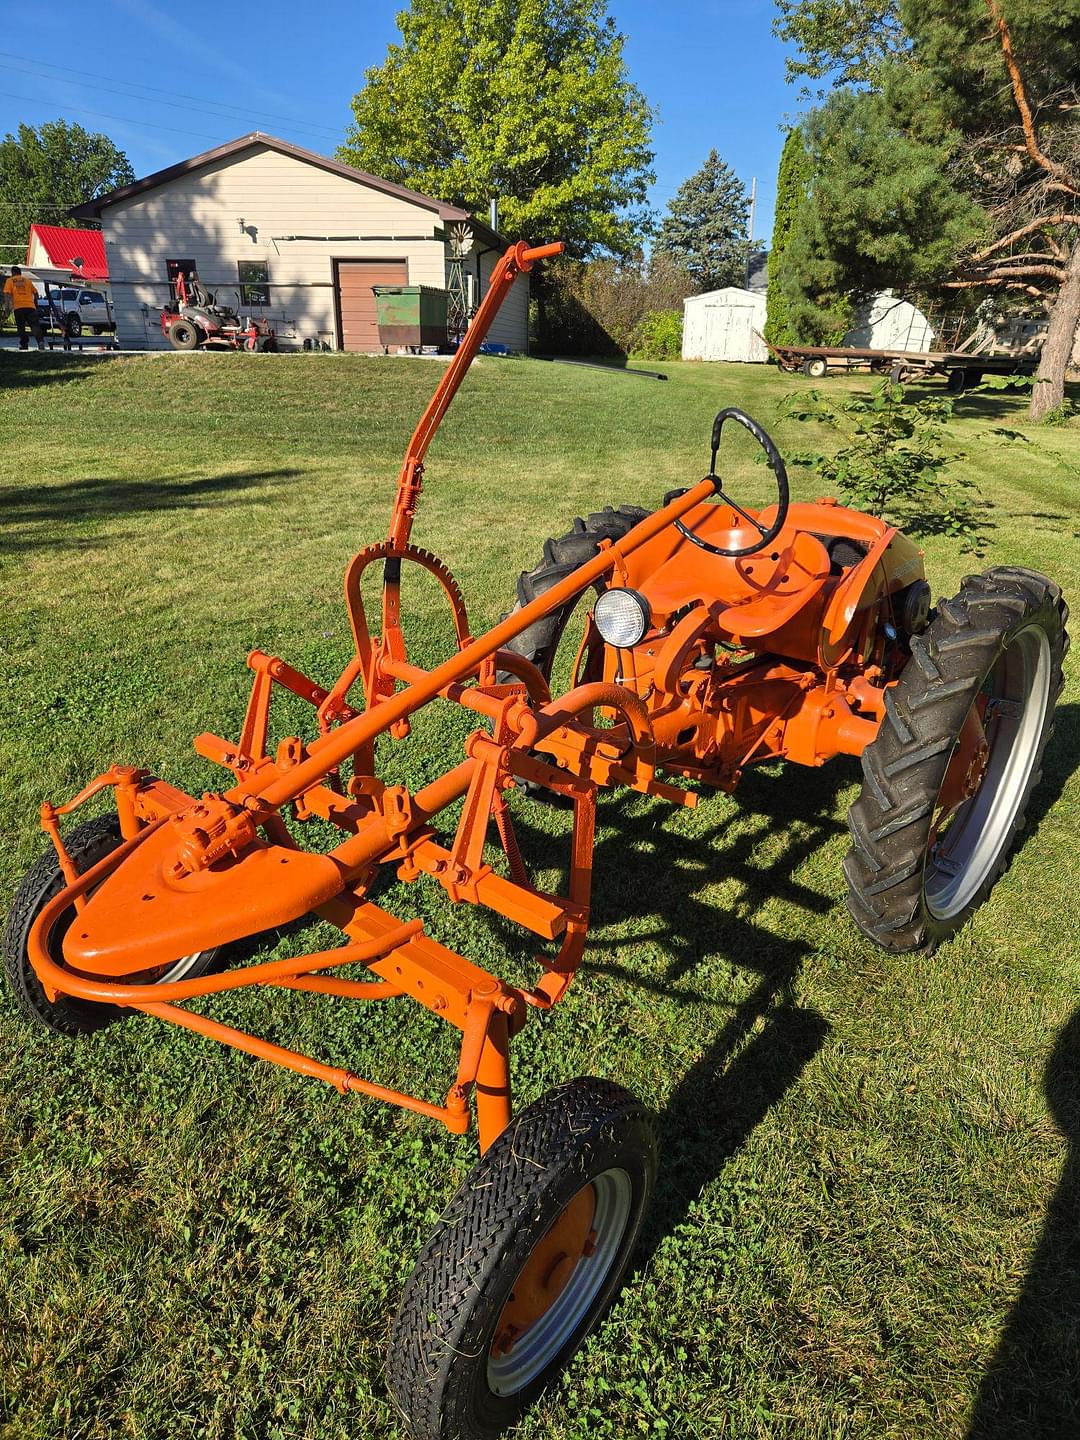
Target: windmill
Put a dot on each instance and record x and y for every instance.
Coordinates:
(457, 304)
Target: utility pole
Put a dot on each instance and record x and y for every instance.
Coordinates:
(750, 228)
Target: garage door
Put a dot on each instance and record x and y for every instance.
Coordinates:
(356, 300)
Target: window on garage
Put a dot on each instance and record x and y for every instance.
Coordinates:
(254, 278)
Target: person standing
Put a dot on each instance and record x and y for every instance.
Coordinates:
(21, 297)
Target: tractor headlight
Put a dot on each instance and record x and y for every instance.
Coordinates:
(622, 617)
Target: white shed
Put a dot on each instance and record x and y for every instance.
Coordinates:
(291, 236)
(889, 323)
(724, 325)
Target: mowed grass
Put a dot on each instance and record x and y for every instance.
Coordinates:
(866, 1222)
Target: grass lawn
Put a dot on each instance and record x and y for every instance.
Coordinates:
(867, 1221)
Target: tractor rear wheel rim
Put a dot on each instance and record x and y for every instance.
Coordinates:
(536, 1347)
(963, 857)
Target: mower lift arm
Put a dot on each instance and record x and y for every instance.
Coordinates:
(518, 260)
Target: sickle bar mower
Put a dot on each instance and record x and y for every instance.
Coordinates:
(719, 637)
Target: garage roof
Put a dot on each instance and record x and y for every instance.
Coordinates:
(93, 208)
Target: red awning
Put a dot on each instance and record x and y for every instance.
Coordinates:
(63, 246)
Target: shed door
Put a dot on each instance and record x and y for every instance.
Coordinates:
(729, 334)
(356, 300)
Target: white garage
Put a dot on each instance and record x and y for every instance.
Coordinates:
(725, 325)
(291, 237)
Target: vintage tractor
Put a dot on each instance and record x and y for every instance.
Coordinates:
(194, 318)
(717, 637)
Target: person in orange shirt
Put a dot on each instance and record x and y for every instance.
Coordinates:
(21, 297)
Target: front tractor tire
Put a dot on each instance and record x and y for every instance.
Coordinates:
(524, 1263)
(561, 557)
(948, 778)
(67, 1016)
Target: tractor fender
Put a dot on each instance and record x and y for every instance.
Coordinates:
(891, 563)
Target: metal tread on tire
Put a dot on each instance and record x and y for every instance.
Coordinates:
(86, 844)
(1005, 630)
(561, 558)
(452, 1368)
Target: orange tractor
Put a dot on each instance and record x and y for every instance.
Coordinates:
(717, 637)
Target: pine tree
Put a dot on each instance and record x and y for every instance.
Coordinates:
(792, 190)
(704, 229)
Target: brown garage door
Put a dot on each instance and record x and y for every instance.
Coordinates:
(356, 300)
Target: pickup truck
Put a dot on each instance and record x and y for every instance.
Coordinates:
(76, 310)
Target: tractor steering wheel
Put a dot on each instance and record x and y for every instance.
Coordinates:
(776, 465)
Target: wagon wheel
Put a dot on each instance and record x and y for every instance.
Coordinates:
(816, 367)
(86, 844)
(956, 382)
(948, 778)
(524, 1263)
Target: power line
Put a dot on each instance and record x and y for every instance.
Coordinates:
(200, 101)
(104, 115)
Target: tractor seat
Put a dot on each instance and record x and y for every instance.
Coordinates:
(760, 592)
(764, 591)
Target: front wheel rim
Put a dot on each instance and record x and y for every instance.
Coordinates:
(961, 861)
(534, 1350)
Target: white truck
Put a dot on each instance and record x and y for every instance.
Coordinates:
(74, 309)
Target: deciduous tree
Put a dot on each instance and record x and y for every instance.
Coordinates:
(528, 101)
(841, 42)
(46, 169)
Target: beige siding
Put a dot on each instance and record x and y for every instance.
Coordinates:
(511, 326)
(198, 216)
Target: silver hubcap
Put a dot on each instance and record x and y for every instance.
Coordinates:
(1017, 692)
(534, 1350)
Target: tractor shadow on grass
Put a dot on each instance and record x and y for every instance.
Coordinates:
(1032, 1384)
(44, 517)
(755, 847)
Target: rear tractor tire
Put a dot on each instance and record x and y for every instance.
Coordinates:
(86, 844)
(948, 778)
(526, 1260)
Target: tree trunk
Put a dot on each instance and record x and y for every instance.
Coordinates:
(1049, 391)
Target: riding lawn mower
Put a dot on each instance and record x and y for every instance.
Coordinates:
(196, 319)
(718, 637)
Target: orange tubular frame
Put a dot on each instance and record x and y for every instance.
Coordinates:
(215, 837)
(193, 874)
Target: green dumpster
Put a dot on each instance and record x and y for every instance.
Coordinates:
(411, 315)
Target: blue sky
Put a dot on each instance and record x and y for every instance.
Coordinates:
(711, 68)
